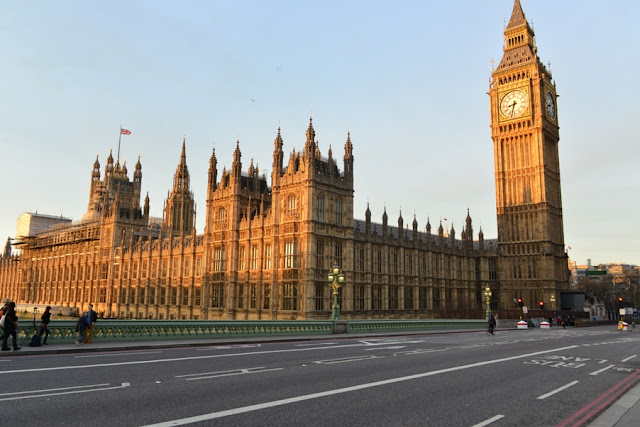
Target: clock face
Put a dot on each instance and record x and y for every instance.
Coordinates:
(514, 104)
(551, 106)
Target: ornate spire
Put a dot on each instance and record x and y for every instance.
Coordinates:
(517, 16)
(278, 155)
(519, 43)
(213, 171)
(311, 139)
(181, 177)
(237, 164)
(137, 175)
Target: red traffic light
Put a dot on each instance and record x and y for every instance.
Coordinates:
(619, 299)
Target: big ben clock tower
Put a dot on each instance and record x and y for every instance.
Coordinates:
(524, 128)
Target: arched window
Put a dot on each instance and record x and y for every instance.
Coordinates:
(222, 214)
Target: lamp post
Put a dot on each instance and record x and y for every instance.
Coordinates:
(487, 298)
(552, 298)
(336, 279)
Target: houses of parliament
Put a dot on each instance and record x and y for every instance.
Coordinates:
(266, 249)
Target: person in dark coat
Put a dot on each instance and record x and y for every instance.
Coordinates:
(44, 323)
(81, 328)
(10, 328)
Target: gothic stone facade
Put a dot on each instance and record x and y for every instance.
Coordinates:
(266, 251)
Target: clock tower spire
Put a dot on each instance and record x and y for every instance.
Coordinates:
(525, 133)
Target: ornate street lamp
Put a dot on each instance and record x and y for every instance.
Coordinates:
(336, 279)
(487, 298)
(552, 298)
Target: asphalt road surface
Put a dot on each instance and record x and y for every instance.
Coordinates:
(515, 378)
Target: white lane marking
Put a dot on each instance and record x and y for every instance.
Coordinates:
(256, 407)
(551, 393)
(396, 347)
(226, 347)
(345, 359)
(85, 390)
(220, 372)
(116, 354)
(602, 370)
(53, 389)
(489, 421)
(175, 359)
(231, 374)
(315, 343)
(628, 358)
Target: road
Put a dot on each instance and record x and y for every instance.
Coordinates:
(525, 378)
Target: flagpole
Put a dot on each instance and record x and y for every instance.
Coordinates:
(119, 138)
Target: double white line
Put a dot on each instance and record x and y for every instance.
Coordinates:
(31, 394)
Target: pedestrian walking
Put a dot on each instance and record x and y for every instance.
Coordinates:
(492, 323)
(92, 317)
(10, 328)
(81, 328)
(3, 311)
(44, 323)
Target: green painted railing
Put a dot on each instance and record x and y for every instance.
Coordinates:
(355, 326)
(64, 331)
(135, 330)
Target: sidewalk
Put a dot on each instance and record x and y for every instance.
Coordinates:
(625, 412)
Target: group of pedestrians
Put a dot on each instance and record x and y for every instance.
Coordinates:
(9, 325)
(84, 326)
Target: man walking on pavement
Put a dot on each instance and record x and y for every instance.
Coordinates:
(92, 317)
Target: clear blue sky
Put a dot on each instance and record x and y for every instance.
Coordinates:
(408, 79)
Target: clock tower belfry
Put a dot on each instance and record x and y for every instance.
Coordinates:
(524, 128)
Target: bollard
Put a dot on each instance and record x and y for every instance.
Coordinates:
(545, 325)
(522, 325)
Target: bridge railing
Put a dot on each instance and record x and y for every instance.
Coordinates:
(64, 331)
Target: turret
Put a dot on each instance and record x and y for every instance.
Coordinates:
(385, 218)
(137, 175)
(310, 145)
(95, 174)
(108, 169)
(278, 157)
(367, 216)
(213, 172)
(236, 167)
(179, 211)
(348, 158)
(146, 207)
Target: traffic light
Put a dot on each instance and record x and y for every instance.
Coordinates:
(541, 304)
(520, 303)
(620, 302)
